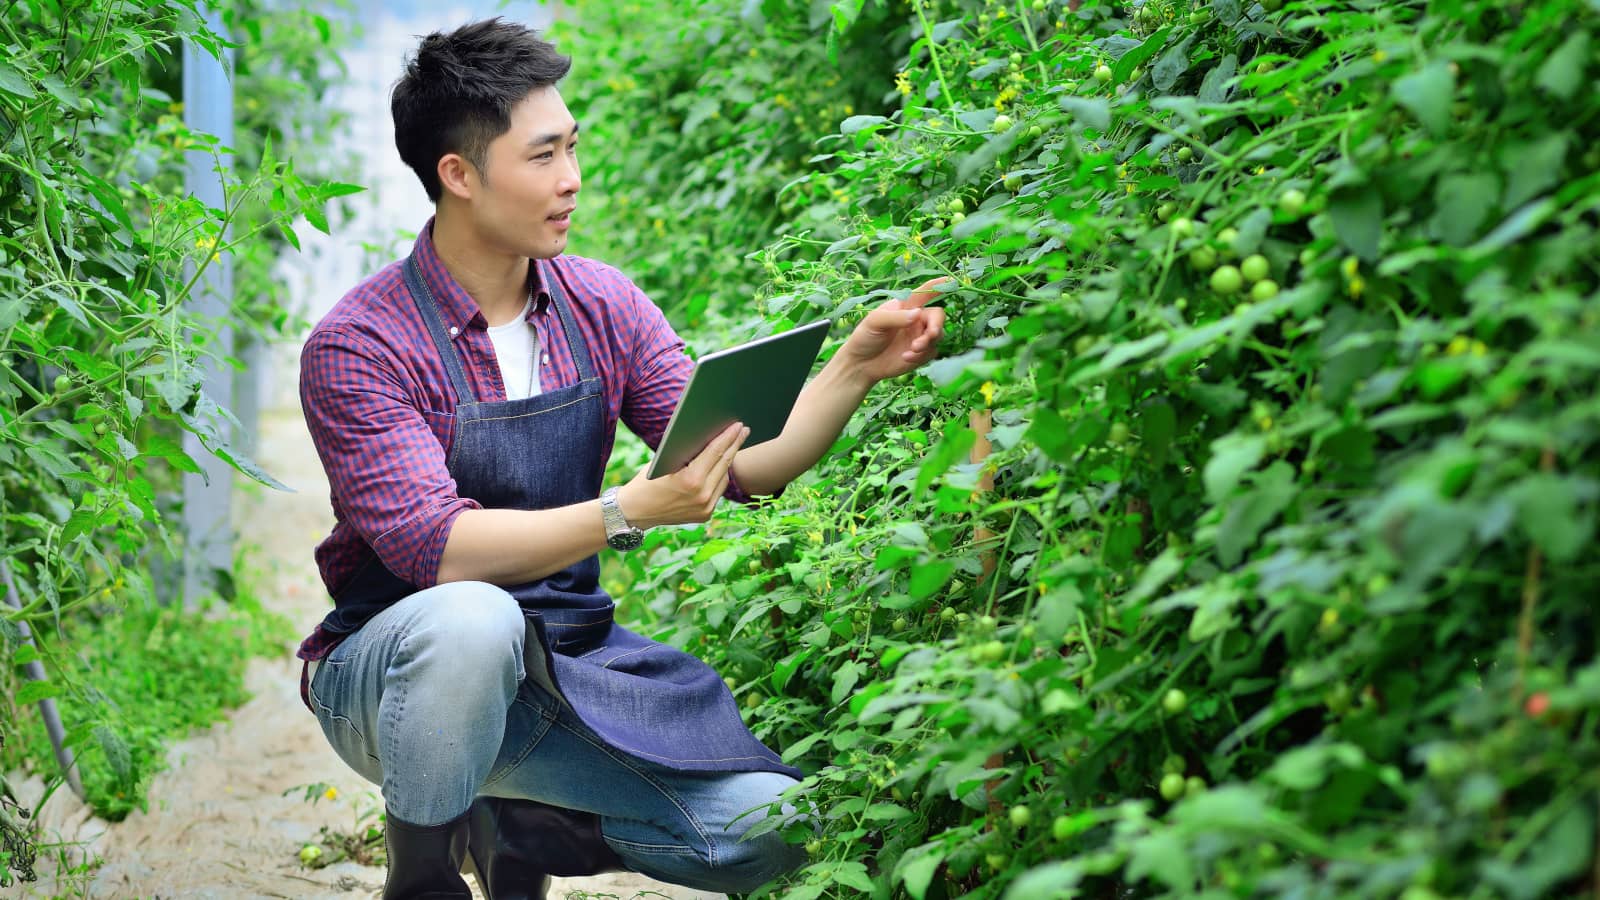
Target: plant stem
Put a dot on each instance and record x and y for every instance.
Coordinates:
(933, 54)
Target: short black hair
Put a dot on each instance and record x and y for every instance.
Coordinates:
(459, 88)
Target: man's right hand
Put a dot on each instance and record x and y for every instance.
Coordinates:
(688, 495)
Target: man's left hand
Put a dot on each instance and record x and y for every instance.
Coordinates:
(898, 336)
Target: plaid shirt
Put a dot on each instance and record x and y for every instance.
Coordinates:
(380, 406)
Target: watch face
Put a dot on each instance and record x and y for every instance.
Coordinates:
(626, 540)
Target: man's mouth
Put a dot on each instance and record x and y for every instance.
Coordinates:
(563, 216)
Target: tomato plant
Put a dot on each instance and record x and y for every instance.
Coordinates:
(1262, 311)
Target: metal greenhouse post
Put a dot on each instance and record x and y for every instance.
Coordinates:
(207, 497)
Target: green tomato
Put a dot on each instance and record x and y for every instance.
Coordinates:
(813, 847)
(1020, 816)
(1182, 227)
(101, 428)
(901, 624)
(1226, 280)
(1174, 763)
(992, 651)
(996, 861)
(1228, 236)
(1175, 701)
(1061, 828)
(948, 613)
(1165, 211)
(1016, 59)
(1291, 202)
(1171, 786)
(1035, 131)
(62, 384)
(1119, 433)
(1102, 73)
(957, 205)
(310, 853)
(1013, 182)
(1185, 154)
(957, 218)
(1255, 267)
(1002, 122)
(1040, 5)
(1192, 785)
(1204, 259)
(1264, 290)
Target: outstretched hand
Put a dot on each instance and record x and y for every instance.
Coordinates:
(898, 336)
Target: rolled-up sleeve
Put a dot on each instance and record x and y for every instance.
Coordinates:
(658, 371)
(386, 467)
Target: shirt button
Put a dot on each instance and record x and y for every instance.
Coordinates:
(454, 331)
(547, 359)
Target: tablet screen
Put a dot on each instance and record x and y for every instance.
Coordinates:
(754, 383)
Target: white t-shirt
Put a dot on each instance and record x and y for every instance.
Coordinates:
(516, 348)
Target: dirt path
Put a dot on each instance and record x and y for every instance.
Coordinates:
(220, 825)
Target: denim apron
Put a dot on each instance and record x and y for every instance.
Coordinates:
(644, 698)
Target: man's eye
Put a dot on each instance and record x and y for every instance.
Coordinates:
(545, 155)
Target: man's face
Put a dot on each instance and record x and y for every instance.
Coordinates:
(524, 207)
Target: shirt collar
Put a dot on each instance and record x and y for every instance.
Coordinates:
(457, 309)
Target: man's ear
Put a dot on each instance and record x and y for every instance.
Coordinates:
(457, 176)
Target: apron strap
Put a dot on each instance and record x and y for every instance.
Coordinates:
(423, 297)
(569, 327)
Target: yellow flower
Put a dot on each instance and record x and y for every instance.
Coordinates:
(331, 793)
(902, 83)
(849, 110)
(1379, 56)
(1458, 345)
(815, 536)
(987, 390)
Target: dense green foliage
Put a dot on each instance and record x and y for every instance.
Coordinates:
(100, 251)
(1285, 315)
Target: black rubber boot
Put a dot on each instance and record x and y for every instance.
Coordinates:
(425, 860)
(516, 845)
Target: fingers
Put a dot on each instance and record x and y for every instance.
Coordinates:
(928, 291)
(929, 331)
(706, 462)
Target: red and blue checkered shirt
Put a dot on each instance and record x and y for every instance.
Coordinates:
(380, 406)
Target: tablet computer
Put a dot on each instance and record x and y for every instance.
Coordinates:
(755, 383)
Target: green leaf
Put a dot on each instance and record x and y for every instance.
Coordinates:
(1562, 73)
(160, 446)
(1051, 433)
(34, 691)
(1134, 58)
(954, 444)
(26, 653)
(1428, 95)
(1090, 112)
(1162, 855)
(1255, 510)
(1232, 455)
(929, 577)
(1306, 768)
(1214, 88)
(854, 875)
(1171, 65)
(785, 669)
(845, 679)
(861, 123)
(12, 82)
(1463, 204)
(1547, 509)
(1357, 214)
(916, 870)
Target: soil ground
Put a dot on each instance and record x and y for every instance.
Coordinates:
(228, 816)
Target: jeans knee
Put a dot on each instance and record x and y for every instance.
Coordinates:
(469, 625)
(745, 866)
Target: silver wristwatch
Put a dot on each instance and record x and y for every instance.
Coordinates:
(619, 534)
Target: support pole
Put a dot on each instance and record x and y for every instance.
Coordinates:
(47, 706)
(207, 496)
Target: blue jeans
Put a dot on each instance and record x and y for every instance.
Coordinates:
(429, 700)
